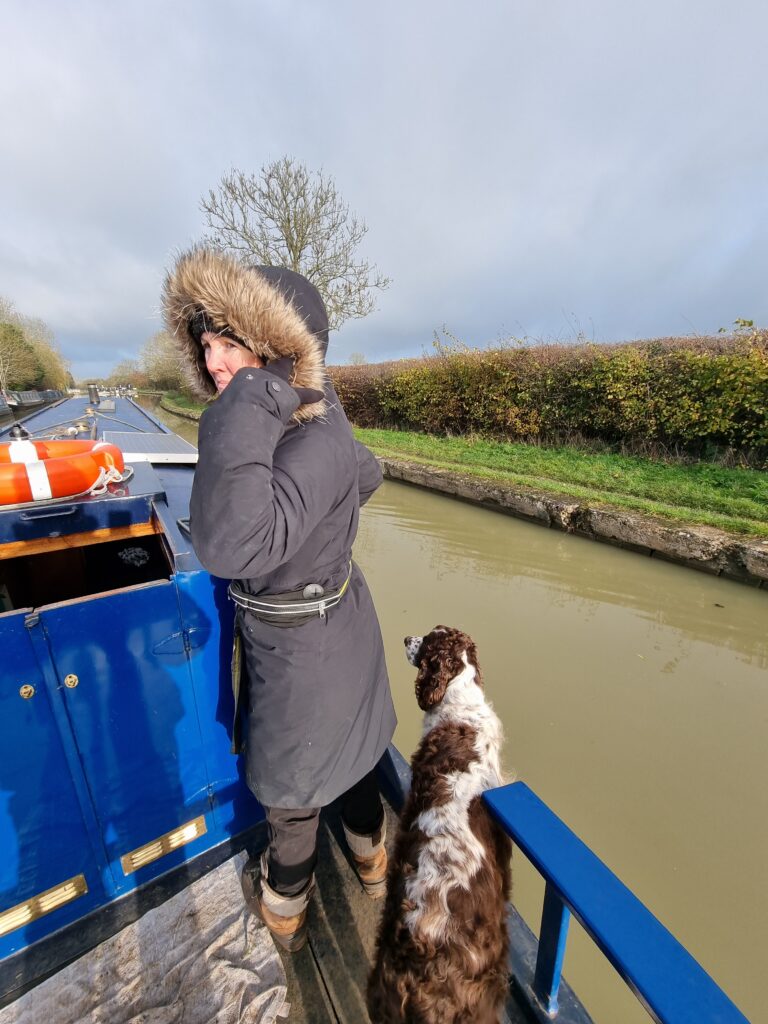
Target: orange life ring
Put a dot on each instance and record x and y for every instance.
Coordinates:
(41, 470)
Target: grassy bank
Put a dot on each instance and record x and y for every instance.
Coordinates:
(735, 500)
(184, 405)
(729, 499)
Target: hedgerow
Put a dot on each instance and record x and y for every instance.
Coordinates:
(695, 394)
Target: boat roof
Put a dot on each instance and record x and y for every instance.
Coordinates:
(157, 489)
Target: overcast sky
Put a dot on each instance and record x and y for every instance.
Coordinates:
(531, 168)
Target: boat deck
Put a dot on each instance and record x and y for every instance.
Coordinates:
(327, 979)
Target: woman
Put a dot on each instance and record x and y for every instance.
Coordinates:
(274, 508)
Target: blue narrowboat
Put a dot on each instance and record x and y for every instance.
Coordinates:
(117, 785)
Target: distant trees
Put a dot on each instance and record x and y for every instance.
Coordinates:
(160, 363)
(55, 368)
(127, 372)
(29, 355)
(158, 367)
(19, 368)
(287, 216)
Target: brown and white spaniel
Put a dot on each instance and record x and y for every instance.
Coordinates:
(441, 955)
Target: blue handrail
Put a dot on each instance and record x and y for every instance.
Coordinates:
(670, 984)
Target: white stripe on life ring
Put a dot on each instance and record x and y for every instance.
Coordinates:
(40, 485)
(23, 451)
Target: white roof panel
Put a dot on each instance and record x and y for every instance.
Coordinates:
(138, 446)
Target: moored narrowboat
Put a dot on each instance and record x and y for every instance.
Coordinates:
(24, 399)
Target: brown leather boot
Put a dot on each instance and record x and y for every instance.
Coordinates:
(285, 916)
(369, 859)
(290, 933)
(372, 872)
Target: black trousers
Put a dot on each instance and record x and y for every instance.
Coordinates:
(292, 849)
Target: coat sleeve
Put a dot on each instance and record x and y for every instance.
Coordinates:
(246, 517)
(369, 473)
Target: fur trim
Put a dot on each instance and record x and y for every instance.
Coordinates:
(240, 299)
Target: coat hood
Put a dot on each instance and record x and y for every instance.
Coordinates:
(274, 312)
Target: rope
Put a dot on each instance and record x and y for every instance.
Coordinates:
(106, 477)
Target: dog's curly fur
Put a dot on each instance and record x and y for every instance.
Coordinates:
(442, 946)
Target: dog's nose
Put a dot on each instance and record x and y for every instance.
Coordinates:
(412, 648)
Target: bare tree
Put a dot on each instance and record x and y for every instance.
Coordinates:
(161, 364)
(287, 216)
(357, 359)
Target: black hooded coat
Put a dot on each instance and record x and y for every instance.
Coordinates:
(275, 505)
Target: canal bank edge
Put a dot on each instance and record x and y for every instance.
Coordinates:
(179, 410)
(698, 547)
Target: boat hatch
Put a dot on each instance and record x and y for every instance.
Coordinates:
(119, 558)
(75, 548)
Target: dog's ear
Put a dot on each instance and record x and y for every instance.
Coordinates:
(431, 683)
(440, 661)
(463, 644)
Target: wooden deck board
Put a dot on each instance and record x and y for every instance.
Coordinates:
(307, 996)
(327, 979)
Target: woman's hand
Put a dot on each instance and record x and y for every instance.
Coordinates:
(283, 368)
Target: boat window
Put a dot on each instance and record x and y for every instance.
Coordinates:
(65, 573)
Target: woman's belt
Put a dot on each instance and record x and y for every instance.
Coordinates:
(290, 609)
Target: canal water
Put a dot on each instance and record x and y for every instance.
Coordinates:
(634, 696)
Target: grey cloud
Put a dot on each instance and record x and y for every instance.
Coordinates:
(521, 167)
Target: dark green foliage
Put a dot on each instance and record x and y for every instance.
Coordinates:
(699, 395)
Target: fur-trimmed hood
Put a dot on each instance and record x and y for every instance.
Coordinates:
(272, 311)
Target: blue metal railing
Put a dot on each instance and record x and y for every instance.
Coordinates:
(670, 984)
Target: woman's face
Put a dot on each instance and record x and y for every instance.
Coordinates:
(224, 357)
